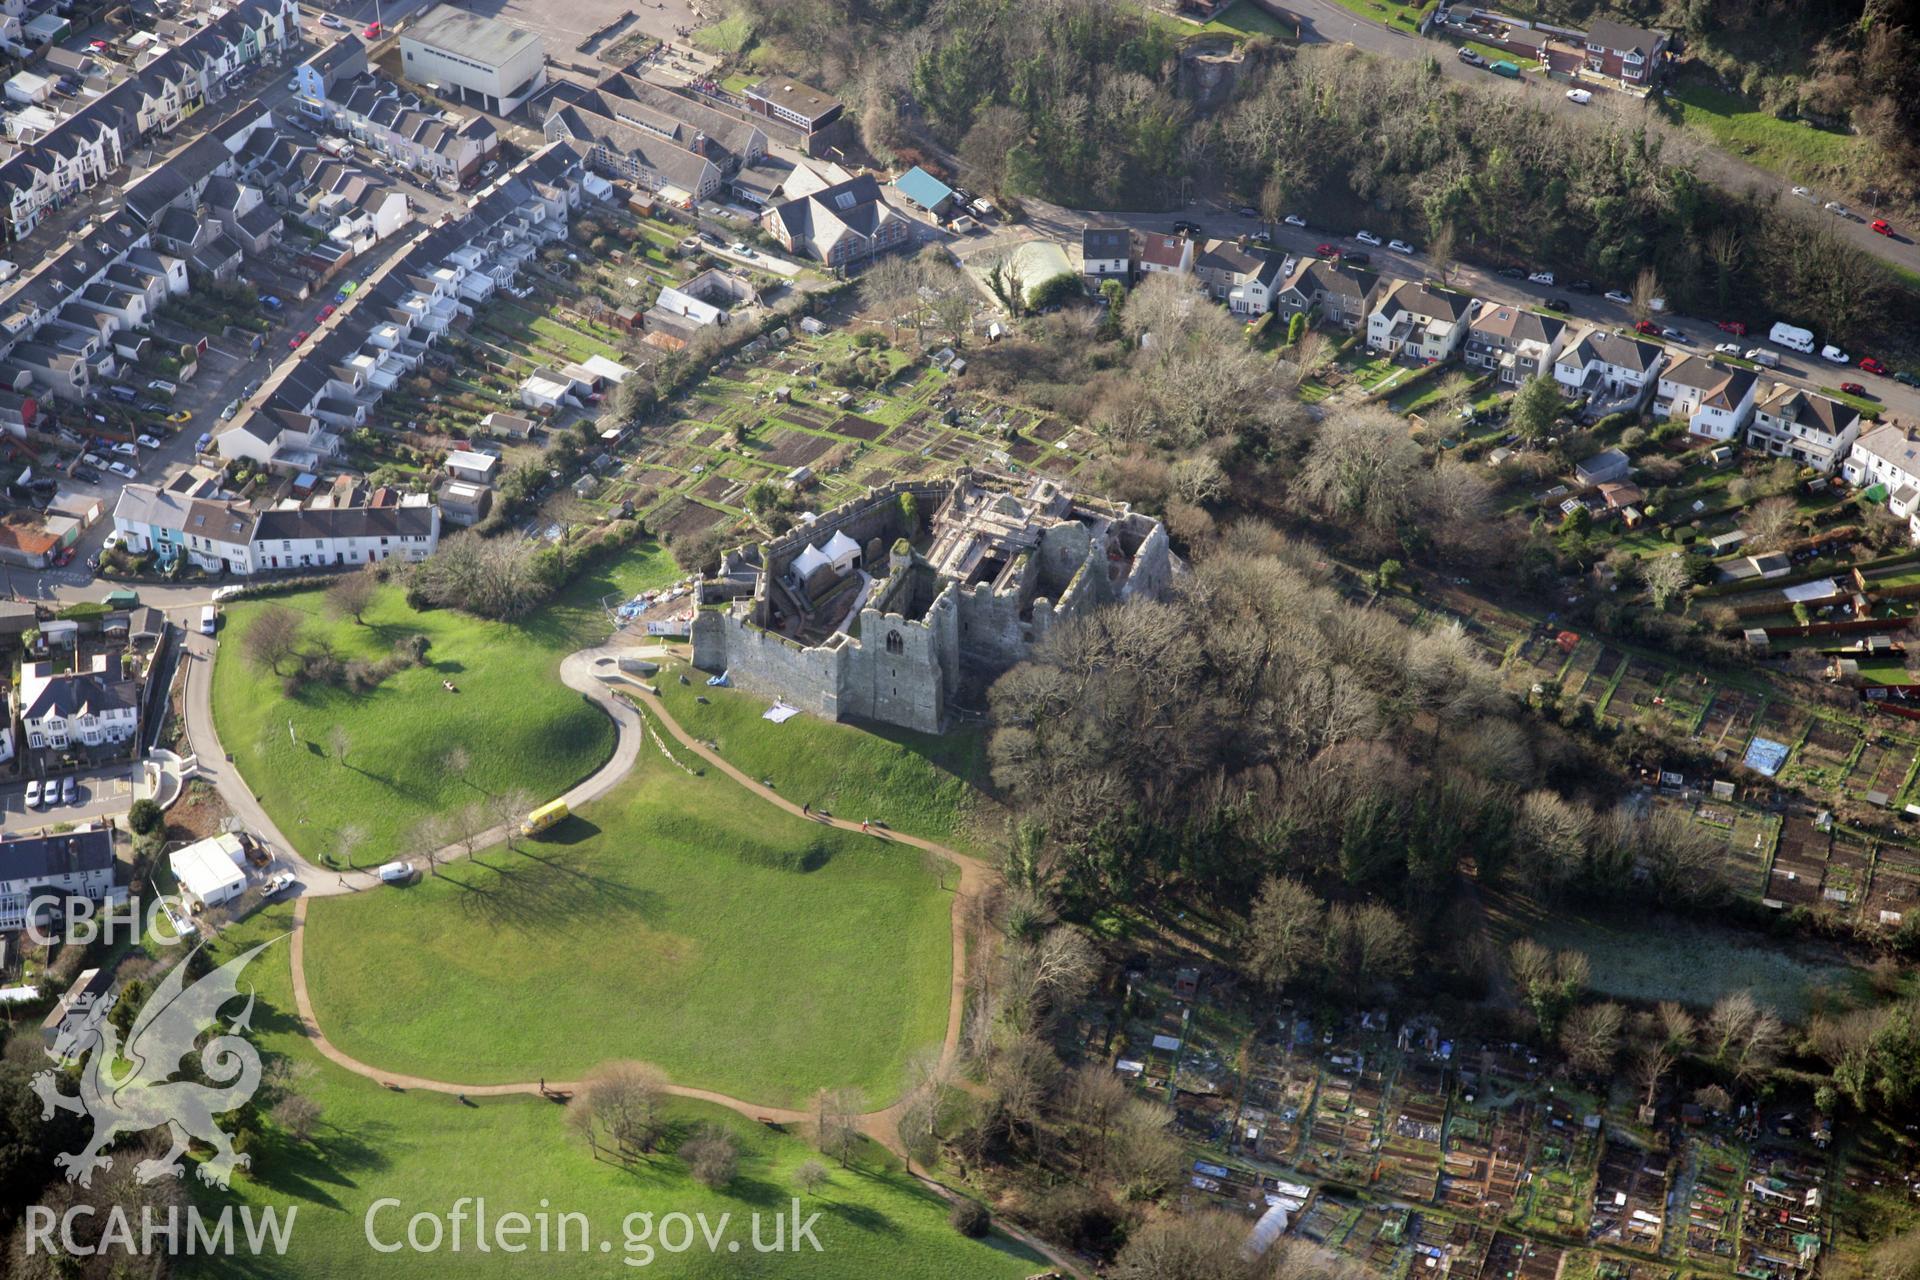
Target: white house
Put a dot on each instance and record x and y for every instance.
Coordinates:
(1416, 320)
(1715, 399)
(545, 389)
(1888, 455)
(1805, 426)
(1106, 252)
(79, 863)
(1165, 255)
(295, 538)
(1607, 366)
(473, 59)
(479, 468)
(94, 708)
(211, 871)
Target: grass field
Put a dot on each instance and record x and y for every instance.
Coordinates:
(1787, 147)
(730, 35)
(922, 784)
(518, 724)
(428, 1150)
(678, 920)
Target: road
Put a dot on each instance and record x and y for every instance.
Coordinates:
(1322, 21)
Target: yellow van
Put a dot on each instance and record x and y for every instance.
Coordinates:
(543, 817)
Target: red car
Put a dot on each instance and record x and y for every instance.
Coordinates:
(1325, 251)
(1733, 327)
(1881, 225)
(372, 31)
(324, 313)
(294, 342)
(1853, 388)
(1646, 326)
(1870, 365)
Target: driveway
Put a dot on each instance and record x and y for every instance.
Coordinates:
(101, 792)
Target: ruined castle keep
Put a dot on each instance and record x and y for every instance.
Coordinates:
(883, 609)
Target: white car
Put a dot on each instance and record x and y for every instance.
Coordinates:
(1367, 237)
(1541, 277)
(1834, 355)
(33, 793)
(277, 884)
(1295, 220)
(1763, 357)
(1838, 210)
(112, 542)
(332, 23)
(122, 469)
(125, 449)
(1727, 349)
(1805, 193)
(395, 872)
(1401, 246)
(161, 384)
(146, 441)
(93, 460)
(1580, 96)
(1624, 299)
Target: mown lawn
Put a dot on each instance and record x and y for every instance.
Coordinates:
(678, 920)
(514, 720)
(1788, 147)
(730, 35)
(429, 1150)
(922, 784)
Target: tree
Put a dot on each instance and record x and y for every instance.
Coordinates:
(347, 841)
(1726, 248)
(1548, 981)
(1363, 467)
(1286, 931)
(350, 594)
(970, 1218)
(712, 1156)
(297, 1114)
(619, 1106)
(1646, 291)
(272, 637)
(145, 817)
(1666, 577)
(985, 149)
(1296, 328)
(1192, 1246)
(1367, 943)
(507, 808)
(1537, 408)
(1198, 478)
(1590, 1036)
(1770, 524)
(1441, 251)
(836, 1123)
(1741, 1038)
(430, 838)
(1550, 835)
(811, 1176)
(339, 741)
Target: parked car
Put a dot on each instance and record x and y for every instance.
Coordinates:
(1805, 193)
(146, 441)
(233, 407)
(1325, 250)
(1471, 58)
(1580, 97)
(1853, 388)
(125, 449)
(1646, 326)
(1367, 237)
(1838, 210)
(123, 470)
(164, 387)
(277, 884)
(1882, 226)
(1727, 349)
(395, 872)
(33, 793)
(490, 168)
(87, 475)
(112, 541)
(1511, 70)
(293, 343)
(1763, 357)
(324, 313)
(1401, 246)
(1558, 304)
(1906, 379)
(332, 23)
(180, 415)
(371, 31)
(1834, 355)
(1871, 364)
(154, 407)
(1359, 257)
(1295, 220)
(1735, 327)
(1675, 335)
(1620, 296)
(1513, 273)
(1248, 211)
(270, 302)
(1580, 286)
(1540, 277)
(69, 791)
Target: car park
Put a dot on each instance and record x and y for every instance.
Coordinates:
(1882, 226)
(1295, 220)
(1367, 237)
(1869, 364)
(1580, 97)
(1619, 296)
(123, 470)
(33, 793)
(1401, 246)
(146, 441)
(1834, 355)
(1540, 277)
(1853, 388)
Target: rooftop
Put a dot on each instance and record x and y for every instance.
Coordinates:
(488, 41)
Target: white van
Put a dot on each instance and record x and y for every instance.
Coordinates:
(1787, 335)
(207, 620)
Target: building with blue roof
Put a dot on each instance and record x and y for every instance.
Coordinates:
(924, 190)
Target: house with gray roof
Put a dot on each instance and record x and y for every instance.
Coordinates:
(97, 707)
(1806, 426)
(840, 225)
(1517, 344)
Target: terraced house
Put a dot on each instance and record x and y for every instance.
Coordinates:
(640, 133)
(87, 147)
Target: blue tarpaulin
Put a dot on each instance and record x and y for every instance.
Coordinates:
(1764, 755)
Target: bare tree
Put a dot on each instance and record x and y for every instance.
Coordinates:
(1590, 1036)
(1441, 251)
(430, 839)
(712, 1156)
(348, 840)
(297, 1114)
(1742, 1038)
(1286, 931)
(507, 808)
(1770, 523)
(1646, 291)
(1666, 577)
(619, 1105)
(836, 1123)
(339, 741)
(350, 594)
(811, 1176)
(271, 637)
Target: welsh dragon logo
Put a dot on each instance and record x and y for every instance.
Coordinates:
(143, 1095)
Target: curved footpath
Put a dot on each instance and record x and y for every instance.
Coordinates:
(578, 672)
